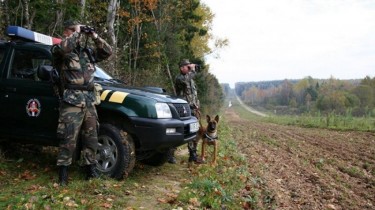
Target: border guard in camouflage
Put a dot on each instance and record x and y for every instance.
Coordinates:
(78, 114)
(186, 89)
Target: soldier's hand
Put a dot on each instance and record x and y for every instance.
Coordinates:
(77, 28)
(192, 66)
(93, 35)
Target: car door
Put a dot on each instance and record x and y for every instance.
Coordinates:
(30, 107)
(4, 125)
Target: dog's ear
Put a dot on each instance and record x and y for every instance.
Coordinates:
(217, 118)
(208, 118)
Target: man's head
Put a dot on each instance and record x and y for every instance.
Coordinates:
(70, 26)
(184, 62)
(184, 66)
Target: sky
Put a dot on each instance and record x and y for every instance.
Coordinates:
(293, 39)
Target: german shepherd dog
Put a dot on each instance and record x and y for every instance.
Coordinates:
(209, 136)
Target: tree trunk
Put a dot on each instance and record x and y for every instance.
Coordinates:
(26, 12)
(83, 5)
(137, 33)
(4, 16)
(111, 18)
(6, 13)
(163, 56)
(58, 18)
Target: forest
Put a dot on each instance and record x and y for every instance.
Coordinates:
(149, 37)
(354, 97)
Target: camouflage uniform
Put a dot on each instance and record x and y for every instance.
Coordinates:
(186, 89)
(78, 114)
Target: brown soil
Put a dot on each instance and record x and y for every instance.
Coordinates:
(306, 168)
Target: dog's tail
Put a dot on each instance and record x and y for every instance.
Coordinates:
(200, 123)
(198, 114)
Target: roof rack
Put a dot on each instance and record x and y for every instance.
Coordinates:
(17, 32)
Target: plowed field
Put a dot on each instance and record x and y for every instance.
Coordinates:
(306, 168)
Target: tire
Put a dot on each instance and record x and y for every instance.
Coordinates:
(132, 159)
(114, 153)
(157, 159)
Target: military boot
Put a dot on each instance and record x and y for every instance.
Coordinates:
(63, 175)
(193, 157)
(171, 157)
(91, 172)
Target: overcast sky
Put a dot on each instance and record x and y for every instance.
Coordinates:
(293, 39)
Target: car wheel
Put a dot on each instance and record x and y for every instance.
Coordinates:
(132, 159)
(114, 153)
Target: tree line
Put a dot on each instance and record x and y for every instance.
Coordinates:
(149, 37)
(308, 95)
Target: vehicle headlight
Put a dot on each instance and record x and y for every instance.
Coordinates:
(163, 110)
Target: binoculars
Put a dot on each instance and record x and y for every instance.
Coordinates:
(87, 29)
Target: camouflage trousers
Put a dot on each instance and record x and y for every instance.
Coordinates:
(75, 121)
(192, 145)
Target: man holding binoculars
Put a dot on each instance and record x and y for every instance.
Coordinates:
(78, 114)
(187, 90)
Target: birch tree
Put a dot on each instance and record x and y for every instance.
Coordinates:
(83, 8)
(111, 18)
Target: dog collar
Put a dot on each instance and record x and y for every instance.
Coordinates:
(211, 138)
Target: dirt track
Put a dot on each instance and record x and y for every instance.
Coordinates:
(305, 168)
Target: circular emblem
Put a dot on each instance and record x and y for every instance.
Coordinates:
(33, 107)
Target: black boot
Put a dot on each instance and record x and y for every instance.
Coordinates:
(193, 157)
(171, 157)
(63, 175)
(91, 172)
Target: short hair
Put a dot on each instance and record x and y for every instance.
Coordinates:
(70, 23)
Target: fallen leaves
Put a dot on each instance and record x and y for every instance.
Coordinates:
(194, 201)
(170, 198)
(27, 175)
(3, 173)
(106, 205)
(34, 188)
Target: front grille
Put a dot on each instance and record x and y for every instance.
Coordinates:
(183, 110)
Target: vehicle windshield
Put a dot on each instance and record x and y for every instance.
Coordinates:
(100, 73)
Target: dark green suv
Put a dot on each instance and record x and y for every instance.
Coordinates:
(135, 123)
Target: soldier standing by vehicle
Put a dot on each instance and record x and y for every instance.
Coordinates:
(78, 114)
(186, 89)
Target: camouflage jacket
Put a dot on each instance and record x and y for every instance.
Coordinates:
(76, 70)
(186, 89)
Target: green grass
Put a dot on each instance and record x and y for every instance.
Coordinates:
(352, 171)
(329, 121)
(28, 181)
(245, 113)
(335, 122)
(218, 187)
(269, 141)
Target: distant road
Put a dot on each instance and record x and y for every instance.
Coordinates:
(249, 108)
